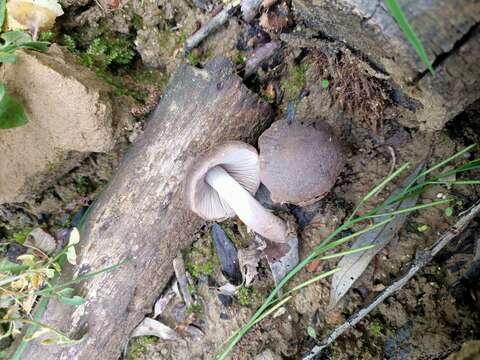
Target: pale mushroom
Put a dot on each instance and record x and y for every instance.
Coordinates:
(33, 15)
(221, 183)
(299, 164)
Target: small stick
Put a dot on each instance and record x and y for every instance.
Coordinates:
(422, 259)
(477, 249)
(179, 268)
(217, 21)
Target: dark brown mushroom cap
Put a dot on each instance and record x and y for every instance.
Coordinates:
(240, 160)
(299, 164)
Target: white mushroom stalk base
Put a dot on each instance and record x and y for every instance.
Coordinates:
(249, 210)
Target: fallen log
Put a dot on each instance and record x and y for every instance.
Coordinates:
(449, 31)
(141, 214)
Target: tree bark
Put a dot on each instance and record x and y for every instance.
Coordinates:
(449, 31)
(141, 214)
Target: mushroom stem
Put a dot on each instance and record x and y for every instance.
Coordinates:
(249, 210)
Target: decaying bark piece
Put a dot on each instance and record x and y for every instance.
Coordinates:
(449, 31)
(141, 214)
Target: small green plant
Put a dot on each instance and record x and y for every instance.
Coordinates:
(238, 58)
(48, 36)
(247, 296)
(138, 346)
(193, 58)
(21, 235)
(244, 296)
(311, 332)
(325, 84)
(201, 259)
(70, 43)
(195, 308)
(376, 328)
(104, 52)
(449, 211)
(275, 300)
(108, 56)
(35, 277)
(295, 82)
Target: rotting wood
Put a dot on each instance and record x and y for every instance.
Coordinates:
(141, 214)
(449, 30)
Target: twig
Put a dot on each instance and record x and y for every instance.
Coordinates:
(477, 249)
(422, 259)
(217, 21)
(179, 268)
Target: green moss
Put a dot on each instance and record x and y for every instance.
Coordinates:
(106, 52)
(248, 296)
(295, 82)
(376, 328)
(82, 184)
(182, 38)
(201, 259)
(138, 346)
(110, 57)
(193, 58)
(168, 41)
(137, 21)
(70, 43)
(197, 268)
(196, 309)
(241, 238)
(238, 58)
(49, 36)
(21, 235)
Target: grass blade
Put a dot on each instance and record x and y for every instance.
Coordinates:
(409, 33)
(347, 252)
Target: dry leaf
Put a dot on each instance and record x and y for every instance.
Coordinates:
(272, 21)
(249, 259)
(269, 92)
(162, 302)
(40, 239)
(227, 289)
(352, 266)
(33, 15)
(19, 284)
(282, 257)
(150, 327)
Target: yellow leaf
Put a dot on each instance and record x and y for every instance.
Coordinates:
(74, 237)
(33, 15)
(36, 281)
(50, 273)
(27, 259)
(19, 284)
(27, 304)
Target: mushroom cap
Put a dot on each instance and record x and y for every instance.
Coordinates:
(299, 164)
(239, 159)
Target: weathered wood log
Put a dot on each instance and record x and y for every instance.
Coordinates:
(449, 31)
(141, 214)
